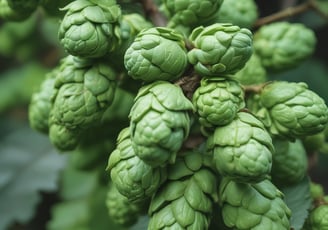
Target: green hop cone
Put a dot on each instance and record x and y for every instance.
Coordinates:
(252, 73)
(292, 110)
(318, 218)
(132, 177)
(253, 206)
(41, 103)
(7, 13)
(64, 139)
(159, 122)
(157, 53)
(289, 162)
(90, 28)
(84, 91)
(283, 45)
(190, 12)
(242, 150)
(220, 49)
(317, 191)
(185, 200)
(120, 209)
(217, 101)
(242, 13)
(23, 5)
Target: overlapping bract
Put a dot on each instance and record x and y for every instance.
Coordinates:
(283, 45)
(190, 12)
(253, 206)
(120, 209)
(157, 53)
(289, 162)
(217, 101)
(159, 122)
(132, 177)
(253, 72)
(242, 13)
(242, 150)
(90, 28)
(292, 109)
(41, 103)
(185, 200)
(318, 219)
(220, 49)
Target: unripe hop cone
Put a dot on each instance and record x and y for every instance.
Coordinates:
(318, 219)
(253, 206)
(217, 101)
(159, 122)
(190, 12)
(220, 49)
(10, 14)
(185, 200)
(242, 150)
(157, 53)
(292, 110)
(132, 177)
(90, 28)
(242, 13)
(289, 163)
(283, 45)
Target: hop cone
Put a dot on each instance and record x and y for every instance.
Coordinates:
(156, 54)
(64, 139)
(283, 45)
(253, 72)
(217, 101)
(132, 177)
(120, 209)
(242, 150)
(318, 219)
(8, 13)
(289, 162)
(23, 5)
(159, 122)
(242, 13)
(90, 28)
(185, 200)
(41, 104)
(294, 110)
(190, 12)
(220, 49)
(85, 91)
(253, 206)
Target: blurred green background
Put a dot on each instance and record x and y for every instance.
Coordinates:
(38, 185)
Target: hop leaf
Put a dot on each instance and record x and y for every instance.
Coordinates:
(217, 101)
(41, 103)
(185, 200)
(242, 150)
(132, 177)
(242, 13)
(90, 29)
(220, 49)
(159, 122)
(293, 110)
(190, 12)
(289, 162)
(156, 54)
(283, 45)
(253, 206)
(252, 73)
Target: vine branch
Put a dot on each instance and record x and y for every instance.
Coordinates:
(291, 11)
(152, 12)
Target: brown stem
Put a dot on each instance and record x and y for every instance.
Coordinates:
(289, 12)
(254, 88)
(189, 83)
(152, 12)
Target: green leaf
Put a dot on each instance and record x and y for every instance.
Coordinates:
(298, 199)
(28, 165)
(141, 224)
